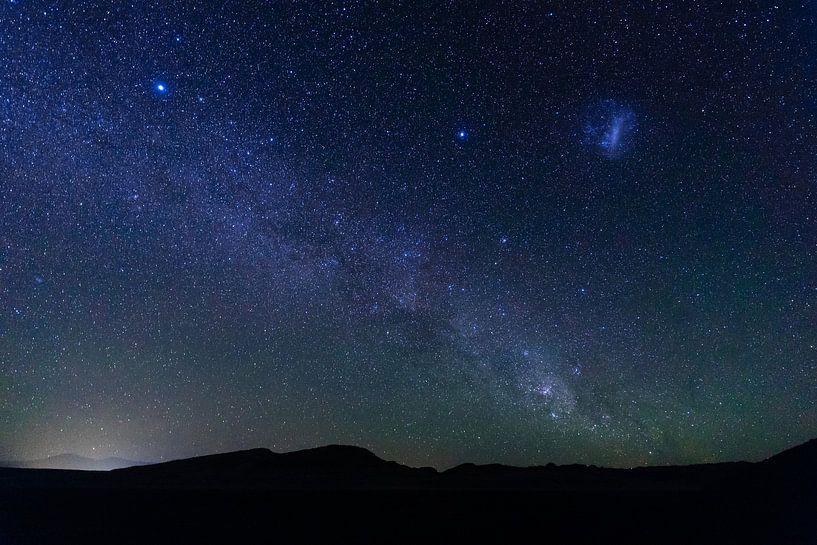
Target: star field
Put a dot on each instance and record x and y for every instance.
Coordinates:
(448, 232)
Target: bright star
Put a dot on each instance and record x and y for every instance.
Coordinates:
(161, 88)
(462, 134)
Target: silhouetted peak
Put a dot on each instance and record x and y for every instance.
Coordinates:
(315, 467)
(337, 451)
(805, 453)
(469, 468)
(334, 456)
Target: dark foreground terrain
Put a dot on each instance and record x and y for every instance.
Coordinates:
(348, 495)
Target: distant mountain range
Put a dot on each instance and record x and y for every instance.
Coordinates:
(350, 467)
(73, 461)
(343, 466)
(346, 494)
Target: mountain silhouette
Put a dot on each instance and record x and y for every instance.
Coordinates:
(321, 467)
(799, 456)
(792, 472)
(347, 494)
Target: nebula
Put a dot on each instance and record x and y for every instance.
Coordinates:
(610, 128)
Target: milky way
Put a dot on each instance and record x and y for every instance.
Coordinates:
(441, 232)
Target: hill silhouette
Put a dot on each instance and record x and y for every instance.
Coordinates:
(330, 466)
(348, 494)
(796, 457)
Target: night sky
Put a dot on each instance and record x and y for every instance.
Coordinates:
(503, 232)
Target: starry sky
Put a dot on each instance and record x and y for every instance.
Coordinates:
(448, 231)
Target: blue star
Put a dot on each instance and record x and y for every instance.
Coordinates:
(161, 88)
(462, 134)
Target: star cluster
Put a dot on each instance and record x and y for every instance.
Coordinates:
(445, 232)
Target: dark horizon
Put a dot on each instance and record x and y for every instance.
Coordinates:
(347, 494)
(133, 463)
